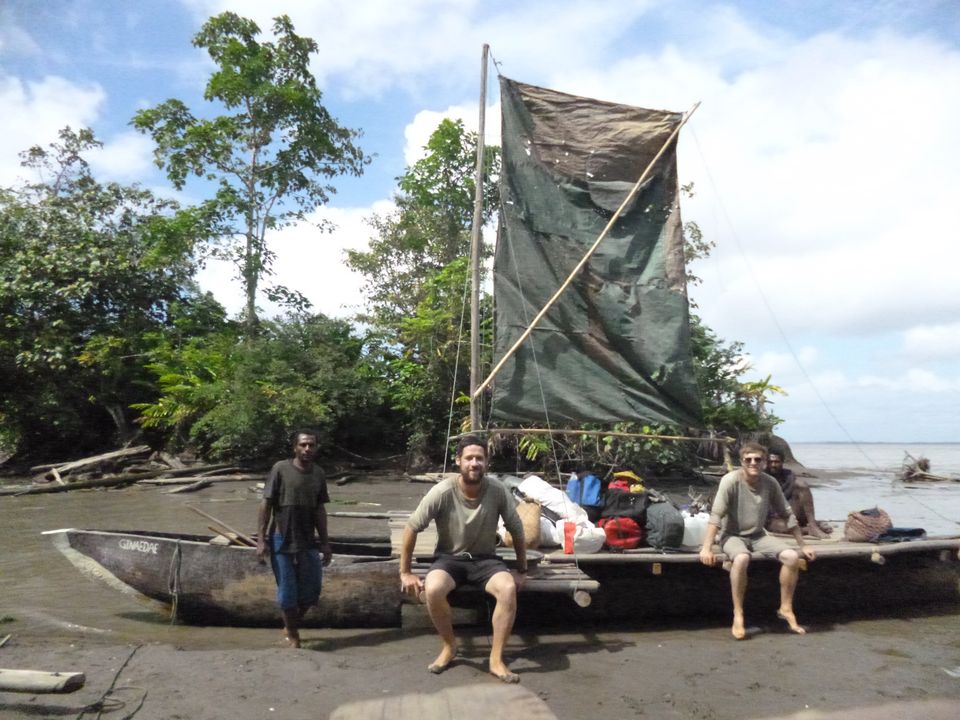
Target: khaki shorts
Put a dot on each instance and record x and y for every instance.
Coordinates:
(766, 545)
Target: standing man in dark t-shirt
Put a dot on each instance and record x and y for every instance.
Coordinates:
(294, 505)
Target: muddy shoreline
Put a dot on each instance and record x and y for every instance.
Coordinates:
(672, 671)
(657, 669)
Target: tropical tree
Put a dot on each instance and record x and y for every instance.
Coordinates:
(87, 272)
(416, 279)
(730, 404)
(271, 156)
(239, 400)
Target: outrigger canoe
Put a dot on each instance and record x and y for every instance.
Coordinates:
(197, 582)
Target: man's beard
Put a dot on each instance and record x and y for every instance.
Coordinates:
(473, 477)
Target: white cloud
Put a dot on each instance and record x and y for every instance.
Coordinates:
(785, 366)
(14, 40)
(34, 112)
(374, 45)
(309, 261)
(832, 193)
(417, 133)
(933, 342)
(127, 157)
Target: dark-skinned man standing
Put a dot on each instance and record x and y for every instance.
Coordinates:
(293, 507)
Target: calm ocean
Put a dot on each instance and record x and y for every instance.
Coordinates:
(867, 478)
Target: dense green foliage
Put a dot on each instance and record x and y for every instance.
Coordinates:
(417, 282)
(271, 156)
(239, 400)
(87, 272)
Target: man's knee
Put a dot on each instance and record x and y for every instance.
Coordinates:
(502, 587)
(790, 558)
(741, 561)
(438, 584)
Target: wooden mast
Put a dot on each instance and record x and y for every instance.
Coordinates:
(475, 249)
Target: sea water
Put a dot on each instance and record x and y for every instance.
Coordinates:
(865, 475)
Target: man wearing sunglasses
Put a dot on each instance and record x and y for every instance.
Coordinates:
(743, 501)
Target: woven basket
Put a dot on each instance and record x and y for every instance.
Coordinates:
(866, 525)
(529, 512)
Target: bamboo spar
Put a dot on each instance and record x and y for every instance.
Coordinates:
(586, 257)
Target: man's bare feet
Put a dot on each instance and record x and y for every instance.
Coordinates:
(503, 673)
(813, 530)
(791, 620)
(444, 660)
(739, 631)
(293, 639)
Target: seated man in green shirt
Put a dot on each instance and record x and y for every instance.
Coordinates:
(467, 510)
(741, 506)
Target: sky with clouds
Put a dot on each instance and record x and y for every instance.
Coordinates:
(825, 155)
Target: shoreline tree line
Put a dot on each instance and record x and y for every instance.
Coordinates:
(105, 335)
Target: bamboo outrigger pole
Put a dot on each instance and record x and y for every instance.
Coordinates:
(586, 257)
(599, 433)
(475, 249)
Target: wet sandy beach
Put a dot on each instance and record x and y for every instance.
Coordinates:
(683, 672)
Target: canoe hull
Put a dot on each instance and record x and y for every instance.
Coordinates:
(200, 583)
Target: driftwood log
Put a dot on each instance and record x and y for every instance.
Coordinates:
(113, 481)
(188, 479)
(198, 485)
(38, 681)
(64, 468)
(918, 470)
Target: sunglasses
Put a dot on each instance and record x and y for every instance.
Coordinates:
(752, 461)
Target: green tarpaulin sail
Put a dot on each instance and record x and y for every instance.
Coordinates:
(615, 347)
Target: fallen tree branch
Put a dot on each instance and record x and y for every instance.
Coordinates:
(63, 468)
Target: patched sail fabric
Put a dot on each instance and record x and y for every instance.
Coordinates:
(615, 346)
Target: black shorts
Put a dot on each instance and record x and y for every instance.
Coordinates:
(476, 570)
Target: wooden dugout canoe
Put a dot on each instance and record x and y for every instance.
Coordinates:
(199, 583)
(206, 584)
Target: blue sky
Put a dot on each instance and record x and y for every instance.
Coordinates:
(825, 155)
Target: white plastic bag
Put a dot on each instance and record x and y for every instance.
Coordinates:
(553, 499)
(587, 537)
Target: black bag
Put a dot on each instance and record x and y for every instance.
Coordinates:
(664, 524)
(620, 503)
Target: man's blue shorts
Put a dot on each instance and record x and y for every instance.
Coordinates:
(299, 576)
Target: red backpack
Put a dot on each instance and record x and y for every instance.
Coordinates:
(623, 533)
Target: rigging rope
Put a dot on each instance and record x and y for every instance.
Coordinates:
(173, 582)
(546, 413)
(456, 367)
